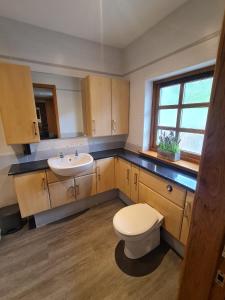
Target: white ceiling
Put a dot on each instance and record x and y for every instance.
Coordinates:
(111, 22)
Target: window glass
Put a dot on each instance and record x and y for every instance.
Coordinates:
(191, 142)
(198, 91)
(167, 117)
(169, 95)
(160, 132)
(194, 118)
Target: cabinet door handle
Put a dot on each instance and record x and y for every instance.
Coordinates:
(70, 191)
(77, 189)
(35, 128)
(114, 126)
(128, 175)
(98, 173)
(93, 126)
(135, 178)
(43, 184)
(169, 188)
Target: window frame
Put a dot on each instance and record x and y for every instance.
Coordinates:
(179, 79)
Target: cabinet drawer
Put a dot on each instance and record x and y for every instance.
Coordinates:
(52, 177)
(62, 192)
(171, 191)
(172, 213)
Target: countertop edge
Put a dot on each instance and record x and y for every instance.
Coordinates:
(121, 153)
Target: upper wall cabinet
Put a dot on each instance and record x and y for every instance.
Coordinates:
(97, 107)
(105, 106)
(17, 105)
(120, 106)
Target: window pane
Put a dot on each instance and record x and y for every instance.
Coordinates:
(194, 117)
(160, 132)
(191, 142)
(167, 117)
(169, 95)
(197, 91)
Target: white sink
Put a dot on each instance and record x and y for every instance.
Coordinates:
(71, 165)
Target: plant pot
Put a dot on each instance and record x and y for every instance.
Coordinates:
(168, 155)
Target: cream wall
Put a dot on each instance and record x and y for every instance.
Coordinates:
(34, 44)
(185, 40)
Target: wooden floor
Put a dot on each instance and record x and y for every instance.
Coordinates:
(74, 259)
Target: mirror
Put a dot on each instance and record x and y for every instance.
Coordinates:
(58, 103)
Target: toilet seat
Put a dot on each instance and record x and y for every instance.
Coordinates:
(135, 219)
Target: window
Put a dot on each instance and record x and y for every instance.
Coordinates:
(180, 104)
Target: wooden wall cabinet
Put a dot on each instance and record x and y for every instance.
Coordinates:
(120, 106)
(96, 93)
(187, 217)
(105, 106)
(32, 193)
(123, 176)
(105, 174)
(17, 105)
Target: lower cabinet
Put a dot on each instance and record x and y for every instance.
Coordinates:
(187, 217)
(172, 213)
(32, 193)
(105, 174)
(85, 186)
(123, 176)
(62, 192)
(41, 190)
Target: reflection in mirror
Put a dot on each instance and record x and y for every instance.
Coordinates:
(58, 105)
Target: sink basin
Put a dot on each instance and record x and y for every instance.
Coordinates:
(71, 165)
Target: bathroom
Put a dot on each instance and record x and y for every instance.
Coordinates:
(108, 167)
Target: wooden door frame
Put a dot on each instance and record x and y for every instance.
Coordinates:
(207, 232)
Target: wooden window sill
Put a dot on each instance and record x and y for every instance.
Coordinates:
(181, 164)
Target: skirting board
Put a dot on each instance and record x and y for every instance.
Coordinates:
(64, 211)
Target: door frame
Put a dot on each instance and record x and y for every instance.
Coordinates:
(206, 239)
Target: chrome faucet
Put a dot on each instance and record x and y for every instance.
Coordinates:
(61, 155)
(76, 153)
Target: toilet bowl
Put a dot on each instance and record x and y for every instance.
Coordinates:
(139, 226)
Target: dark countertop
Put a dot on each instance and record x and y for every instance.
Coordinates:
(182, 178)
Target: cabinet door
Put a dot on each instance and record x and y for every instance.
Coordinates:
(172, 213)
(134, 183)
(17, 105)
(98, 106)
(32, 193)
(187, 217)
(123, 174)
(85, 186)
(105, 174)
(62, 192)
(120, 106)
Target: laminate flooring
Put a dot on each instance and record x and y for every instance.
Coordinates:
(74, 259)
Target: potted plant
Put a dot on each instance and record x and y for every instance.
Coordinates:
(168, 147)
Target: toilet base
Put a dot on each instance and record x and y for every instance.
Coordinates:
(138, 248)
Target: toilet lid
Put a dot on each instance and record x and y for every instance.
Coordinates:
(135, 219)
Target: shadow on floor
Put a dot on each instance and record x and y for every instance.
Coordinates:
(141, 266)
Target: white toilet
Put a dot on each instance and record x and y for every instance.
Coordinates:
(139, 226)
